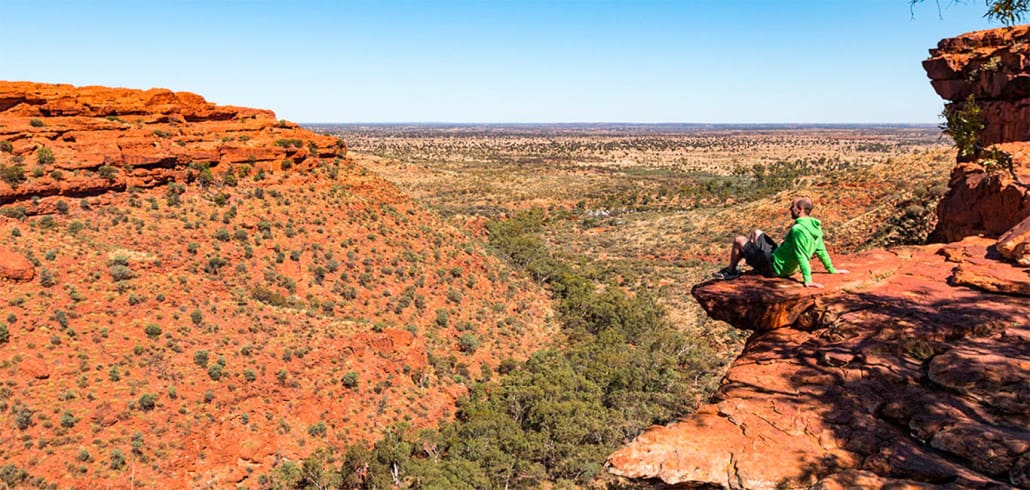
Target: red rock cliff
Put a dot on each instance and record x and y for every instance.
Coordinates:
(994, 67)
(911, 372)
(75, 141)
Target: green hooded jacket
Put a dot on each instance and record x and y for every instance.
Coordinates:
(803, 240)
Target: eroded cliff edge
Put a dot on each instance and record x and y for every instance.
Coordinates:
(196, 295)
(914, 370)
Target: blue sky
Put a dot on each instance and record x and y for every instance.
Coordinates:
(709, 61)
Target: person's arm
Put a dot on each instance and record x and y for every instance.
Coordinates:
(802, 241)
(824, 257)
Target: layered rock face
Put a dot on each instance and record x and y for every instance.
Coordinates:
(994, 67)
(79, 141)
(913, 371)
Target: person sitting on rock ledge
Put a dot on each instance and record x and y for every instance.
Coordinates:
(804, 239)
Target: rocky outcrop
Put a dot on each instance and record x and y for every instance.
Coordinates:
(993, 67)
(14, 267)
(1015, 244)
(891, 375)
(78, 141)
(985, 201)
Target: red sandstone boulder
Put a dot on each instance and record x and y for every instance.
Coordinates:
(34, 368)
(1015, 243)
(980, 266)
(14, 267)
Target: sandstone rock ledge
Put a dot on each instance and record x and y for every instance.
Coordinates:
(62, 140)
(912, 371)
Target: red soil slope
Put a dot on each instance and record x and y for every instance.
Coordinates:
(194, 293)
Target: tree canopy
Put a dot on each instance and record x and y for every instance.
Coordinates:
(1008, 12)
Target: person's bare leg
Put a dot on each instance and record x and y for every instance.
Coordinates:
(737, 251)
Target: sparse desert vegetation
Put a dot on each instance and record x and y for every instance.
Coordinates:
(653, 207)
(619, 258)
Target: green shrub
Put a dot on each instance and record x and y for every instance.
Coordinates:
(117, 459)
(47, 278)
(23, 417)
(201, 357)
(13, 175)
(152, 330)
(964, 123)
(442, 317)
(214, 264)
(12, 476)
(36, 123)
(215, 371)
(107, 172)
(6, 146)
(205, 178)
(468, 343)
(268, 296)
(120, 272)
(147, 401)
(317, 430)
(350, 379)
(230, 178)
(44, 156)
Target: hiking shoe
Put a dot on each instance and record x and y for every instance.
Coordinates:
(727, 273)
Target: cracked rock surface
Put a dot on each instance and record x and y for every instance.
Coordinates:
(894, 375)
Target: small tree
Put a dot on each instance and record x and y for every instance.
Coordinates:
(350, 379)
(147, 401)
(964, 124)
(1008, 12)
(13, 175)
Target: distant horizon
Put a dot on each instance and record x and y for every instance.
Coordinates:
(625, 123)
(503, 60)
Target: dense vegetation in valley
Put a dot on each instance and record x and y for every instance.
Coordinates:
(554, 417)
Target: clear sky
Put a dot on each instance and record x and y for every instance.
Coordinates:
(708, 61)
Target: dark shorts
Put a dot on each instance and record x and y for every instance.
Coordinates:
(758, 254)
